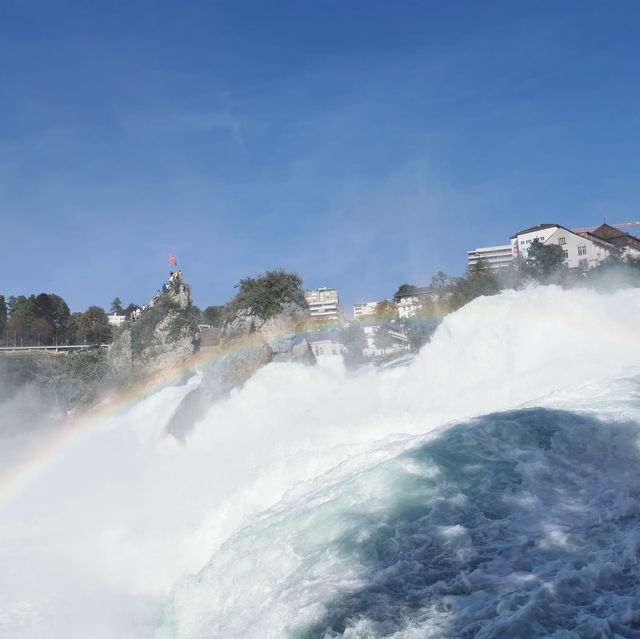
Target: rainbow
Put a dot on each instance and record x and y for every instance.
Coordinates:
(35, 462)
(19, 474)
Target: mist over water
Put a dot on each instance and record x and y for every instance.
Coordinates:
(488, 489)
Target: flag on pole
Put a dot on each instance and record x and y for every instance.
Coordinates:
(172, 260)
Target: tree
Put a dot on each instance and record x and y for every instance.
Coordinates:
(41, 331)
(17, 328)
(440, 281)
(71, 329)
(420, 328)
(405, 290)
(381, 337)
(93, 326)
(355, 341)
(60, 312)
(266, 293)
(545, 261)
(386, 311)
(52, 310)
(480, 280)
(116, 306)
(214, 315)
(22, 306)
(130, 308)
(3, 315)
(386, 315)
(22, 311)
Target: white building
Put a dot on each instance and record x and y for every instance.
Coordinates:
(400, 342)
(364, 309)
(116, 320)
(521, 241)
(324, 304)
(323, 348)
(408, 306)
(496, 257)
(581, 250)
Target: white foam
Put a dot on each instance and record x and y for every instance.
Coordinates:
(126, 514)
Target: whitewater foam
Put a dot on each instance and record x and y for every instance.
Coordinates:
(317, 503)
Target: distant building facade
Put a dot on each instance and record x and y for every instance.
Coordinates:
(521, 241)
(116, 320)
(495, 257)
(324, 304)
(581, 250)
(408, 306)
(324, 348)
(627, 245)
(400, 342)
(364, 309)
(327, 343)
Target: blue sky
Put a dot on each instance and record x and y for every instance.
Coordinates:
(360, 144)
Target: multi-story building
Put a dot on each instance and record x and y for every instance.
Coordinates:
(581, 250)
(521, 241)
(364, 309)
(324, 304)
(625, 243)
(495, 257)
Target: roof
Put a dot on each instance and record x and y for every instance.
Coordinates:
(539, 227)
(607, 232)
(486, 249)
(595, 238)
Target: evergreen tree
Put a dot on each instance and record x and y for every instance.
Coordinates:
(130, 308)
(116, 306)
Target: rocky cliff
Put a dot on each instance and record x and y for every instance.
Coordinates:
(164, 336)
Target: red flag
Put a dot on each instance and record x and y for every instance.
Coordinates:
(172, 260)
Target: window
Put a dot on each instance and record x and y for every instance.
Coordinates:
(562, 241)
(565, 253)
(582, 249)
(583, 264)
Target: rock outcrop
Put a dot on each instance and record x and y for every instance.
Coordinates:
(162, 338)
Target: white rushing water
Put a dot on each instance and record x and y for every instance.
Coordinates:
(488, 489)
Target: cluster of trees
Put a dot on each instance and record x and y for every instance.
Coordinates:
(45, 319)
(544, 264)
(264, 294)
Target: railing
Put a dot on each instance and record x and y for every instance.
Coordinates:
(54, 348)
